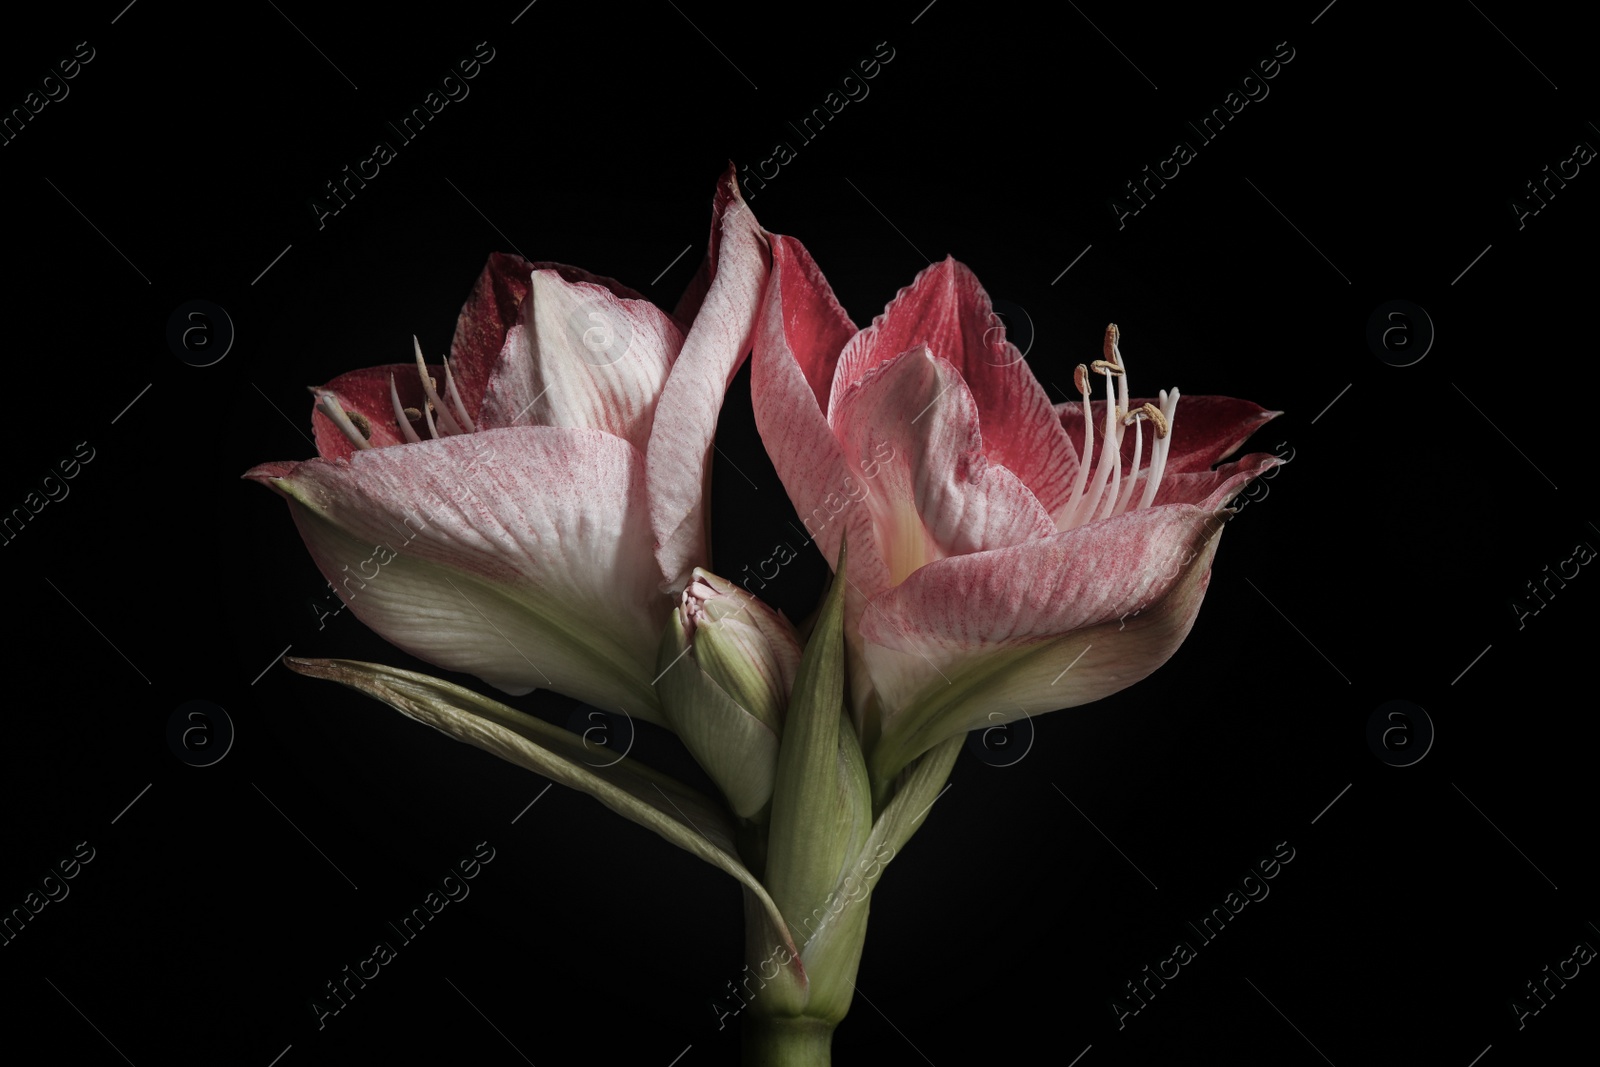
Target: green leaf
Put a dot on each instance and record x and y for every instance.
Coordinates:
(821, 806)
(832, 953)
(682, 815)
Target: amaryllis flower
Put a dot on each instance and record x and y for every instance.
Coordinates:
(499, 513)
(1008, 556)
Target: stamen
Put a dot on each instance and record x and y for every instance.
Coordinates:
(434, 400)
(1158, 456)
(1109, 345)
(1108, 506)
(427, 413)
(1122, 365)
(329, 405)
(1080, 378)
(1112, 335)
(400, 415)
(1137, 418)
(460, 409)
(1108, 459)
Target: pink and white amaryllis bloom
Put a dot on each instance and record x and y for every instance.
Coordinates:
(499, 514)
(1008, 556)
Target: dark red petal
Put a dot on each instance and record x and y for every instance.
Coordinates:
(490, 310)
(365, 393)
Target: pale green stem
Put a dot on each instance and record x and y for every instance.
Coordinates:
(787, 1042)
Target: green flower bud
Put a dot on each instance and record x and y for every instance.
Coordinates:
(727, 662)
(747, 648)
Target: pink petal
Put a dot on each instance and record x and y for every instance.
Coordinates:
(519, 555)
(798, 331)
(815, 327)
(986, 638)
(910, 426)
(694, 293)
(492, 309)
(797, 342)
(1214, 488)
(679, 453)
(582, 356)
(946, 309)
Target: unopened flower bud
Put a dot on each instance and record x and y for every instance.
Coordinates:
(727, 663)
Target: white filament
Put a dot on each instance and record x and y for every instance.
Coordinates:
(328, 404)
(1105, 494)
(460, 409)
(435, 401)
(400, 415)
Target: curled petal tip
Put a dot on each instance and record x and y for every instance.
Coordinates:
(268, 474)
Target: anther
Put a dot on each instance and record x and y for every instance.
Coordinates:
(1153, 413)
(1080, 378)
(1101, 366)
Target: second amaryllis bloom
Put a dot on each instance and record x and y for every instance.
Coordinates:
(499, 513)
(1009, 556)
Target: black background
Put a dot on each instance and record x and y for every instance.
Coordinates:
(1382, 564)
